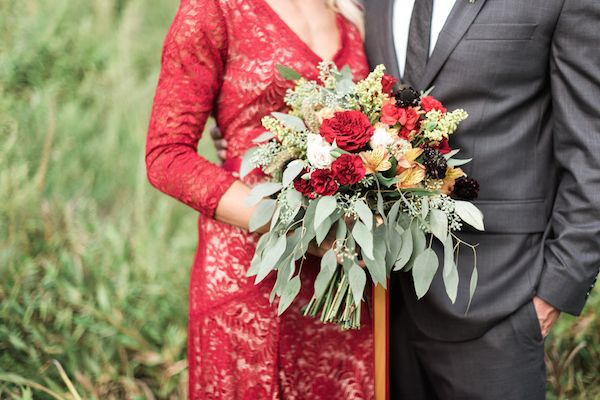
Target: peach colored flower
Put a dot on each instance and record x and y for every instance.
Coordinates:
(411, 177)
(452, 174)
(377, 160)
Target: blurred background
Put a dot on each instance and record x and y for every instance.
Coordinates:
(93, 262)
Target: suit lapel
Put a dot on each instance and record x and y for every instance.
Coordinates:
(383, 10)
(460, 19)
(390, 48)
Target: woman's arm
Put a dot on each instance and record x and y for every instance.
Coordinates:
(191, 74)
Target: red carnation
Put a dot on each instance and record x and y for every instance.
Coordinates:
(429, 103)
(304, 186)
(387, 83)
(323, 182)
(408, 118)
(351, 130)
(348, 169)
(389, 114)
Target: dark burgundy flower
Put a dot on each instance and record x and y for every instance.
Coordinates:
(351, 130)
(348, 169)
(407, 97)
(323, 182)
(444, 147)
(466, 188)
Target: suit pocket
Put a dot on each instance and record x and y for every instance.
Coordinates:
(526, 323)
(501, 32)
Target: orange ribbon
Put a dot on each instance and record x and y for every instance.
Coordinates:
(381, 342)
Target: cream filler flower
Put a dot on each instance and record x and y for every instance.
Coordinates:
(318, 151)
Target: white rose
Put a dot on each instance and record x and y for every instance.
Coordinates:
(318, 151)
(381, 138)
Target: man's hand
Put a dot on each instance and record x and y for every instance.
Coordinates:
(547, 314)
(220, 142)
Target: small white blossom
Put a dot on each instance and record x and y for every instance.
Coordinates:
(381, 138)
(318, 151)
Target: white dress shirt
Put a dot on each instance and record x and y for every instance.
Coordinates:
(401, 24)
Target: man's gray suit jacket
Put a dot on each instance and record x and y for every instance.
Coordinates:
(528, 74)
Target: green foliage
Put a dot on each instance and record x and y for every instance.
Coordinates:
(93, 262)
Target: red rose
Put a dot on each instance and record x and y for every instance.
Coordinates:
(304, 186)
(428, 103)
(444, 147)
(351, 130)
(323, 182)
(408, 118)
(387, 83)
(348, 169)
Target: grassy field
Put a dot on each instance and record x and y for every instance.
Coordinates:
(93, 262)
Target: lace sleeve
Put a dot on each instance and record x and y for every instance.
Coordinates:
(192, 69)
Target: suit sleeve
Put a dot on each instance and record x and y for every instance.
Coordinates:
(572, 250)
(191, 74)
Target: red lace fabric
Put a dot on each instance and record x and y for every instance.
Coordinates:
(219, 57)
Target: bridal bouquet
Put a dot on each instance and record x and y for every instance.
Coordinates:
(369, 167)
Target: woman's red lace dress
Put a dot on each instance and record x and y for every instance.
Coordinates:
(219, 58)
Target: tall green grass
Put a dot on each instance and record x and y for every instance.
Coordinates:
(93, 262)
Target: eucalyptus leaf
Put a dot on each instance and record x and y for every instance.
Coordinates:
(261, 191)
(341, 230)
(364, 213)
(270, 258)
(453, 162)
(325, 207)
(247, 165)
(364, 238)
(291, 121)
(394, 244)
(472, 286)
(323, 229)
(263, 137)
(450, 273)
(258, 252)
(423, 271)
(283, 276)
(419, 243)
(377, 264)
(357, 279)
(451, 154)
(293, 197)
(291, 290)
(329, 260)
(469, 214)
(262, 215)
(328, 265)
(275, 218)
(438, 221)
(393, 213)
(424, 207)
(287, 73)
(406, 250)
(380, 205)
(293, 169)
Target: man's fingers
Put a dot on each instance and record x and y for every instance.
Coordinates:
(215, 133)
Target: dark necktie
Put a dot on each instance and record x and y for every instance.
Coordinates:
(417, 51)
